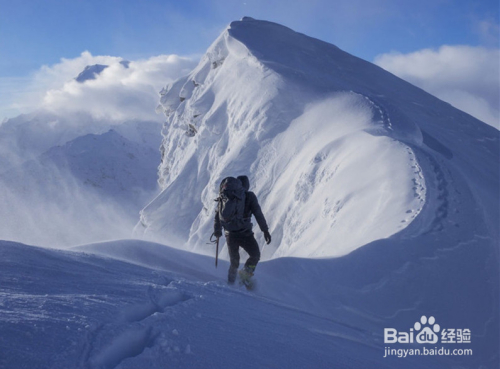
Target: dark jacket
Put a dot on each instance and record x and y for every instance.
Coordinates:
(252, 207)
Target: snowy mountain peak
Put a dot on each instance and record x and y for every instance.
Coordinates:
(125, 63)
(90, 72)
(339, 151)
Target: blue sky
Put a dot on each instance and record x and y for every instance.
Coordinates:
(34, 33)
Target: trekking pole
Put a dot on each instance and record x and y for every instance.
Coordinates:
(217, 252)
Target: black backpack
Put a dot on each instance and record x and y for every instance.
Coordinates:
(231, 204)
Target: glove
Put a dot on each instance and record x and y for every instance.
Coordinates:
(267, 237)
(218, 233)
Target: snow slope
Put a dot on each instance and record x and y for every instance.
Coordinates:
(332, 144)
(167, 310)
(134, 304)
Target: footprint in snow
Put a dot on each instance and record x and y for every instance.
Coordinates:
(159, 300)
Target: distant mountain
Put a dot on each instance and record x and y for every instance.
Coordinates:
(29, 135)
(89, 189)
(90, 72)
(69, 177)
(108, 163)
(116, 167)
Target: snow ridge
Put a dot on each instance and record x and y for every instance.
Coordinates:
(284, 119)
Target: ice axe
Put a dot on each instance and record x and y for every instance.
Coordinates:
(216, 248)
(216, 251)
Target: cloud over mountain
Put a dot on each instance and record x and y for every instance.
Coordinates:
(119, 92)
(81, 100)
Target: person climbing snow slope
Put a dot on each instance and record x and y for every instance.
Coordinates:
(235, 207)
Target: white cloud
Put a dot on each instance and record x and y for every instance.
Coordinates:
(118, 93)
(467, 77)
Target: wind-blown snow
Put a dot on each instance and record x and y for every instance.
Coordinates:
(329, 142)
(347, 160)
(351, 188)
(68, 177)
(89, 189)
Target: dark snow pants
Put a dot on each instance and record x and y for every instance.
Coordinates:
(250, 245)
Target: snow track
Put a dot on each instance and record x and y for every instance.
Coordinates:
(135, 330)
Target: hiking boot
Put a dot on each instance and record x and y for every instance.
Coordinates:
(245, 273)
(246, 278)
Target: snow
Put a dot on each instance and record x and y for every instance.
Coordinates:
(381, 199)
(102, 312)
(88, 189)
(71, 178)
(30, 135)
(351, 186)
(332, 144)
(130, 304)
